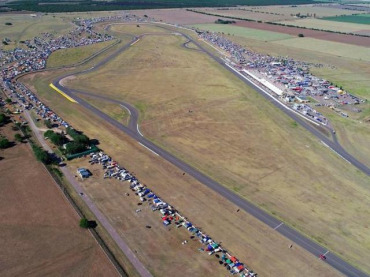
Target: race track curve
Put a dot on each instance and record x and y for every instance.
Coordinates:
(132, 130)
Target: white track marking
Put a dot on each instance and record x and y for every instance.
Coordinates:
(335, 152)
(327, 252)
(278, 225)
(149, 149)
(125, 108)
(137, 127)
(134, 42)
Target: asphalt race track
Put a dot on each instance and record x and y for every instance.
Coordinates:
(133, 131)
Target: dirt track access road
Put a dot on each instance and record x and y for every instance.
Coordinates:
(133, 131)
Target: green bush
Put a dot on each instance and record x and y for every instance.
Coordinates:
(3, 119)
(55, 138)
(74, 147)
(84, 223)
(8, 100)
(4, 143)
(18, 137)
(78, 136)
(48, 133)
(48, 124)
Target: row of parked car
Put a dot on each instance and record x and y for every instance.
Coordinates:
(169, 215)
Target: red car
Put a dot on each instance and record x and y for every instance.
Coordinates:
(323, 257)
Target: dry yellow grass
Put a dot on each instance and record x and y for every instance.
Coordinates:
(233, 135)
(64, 57)
(352, 74)
(260, 247)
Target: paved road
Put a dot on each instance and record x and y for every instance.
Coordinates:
(93, 208)
(258, 213)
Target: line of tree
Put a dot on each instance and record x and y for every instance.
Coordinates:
(90, 5)
(40, 154)
(221, 21)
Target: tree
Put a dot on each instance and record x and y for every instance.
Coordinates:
(82, 139)
(18, 137)
(4, 143)
(75, 147)
(48, 133)
(301, 35)
(3, 119)
(84, 223)
(41, 154)
(58, 139)
(8, 100)
(48, 124)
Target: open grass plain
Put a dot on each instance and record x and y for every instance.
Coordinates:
(244, 32)
(24, 27)
(39, 229)
(64, 57)
(228, 131)
(260, 247)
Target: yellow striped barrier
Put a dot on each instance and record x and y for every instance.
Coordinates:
(62, 93)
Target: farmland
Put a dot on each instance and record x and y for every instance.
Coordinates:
(330, 25)
(106, 5)
(358, 19)
(39, 229)
(320, 10)
(328, 47)
(336, 44)
(276, 13)
(188, 195)
(167, 121)
(244, 32)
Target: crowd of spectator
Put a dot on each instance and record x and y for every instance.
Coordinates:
(289, 80)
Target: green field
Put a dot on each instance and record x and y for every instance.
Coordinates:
(359, 18)
(239, 139)
(243, 32)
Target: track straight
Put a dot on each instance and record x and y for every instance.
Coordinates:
(132, 131)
